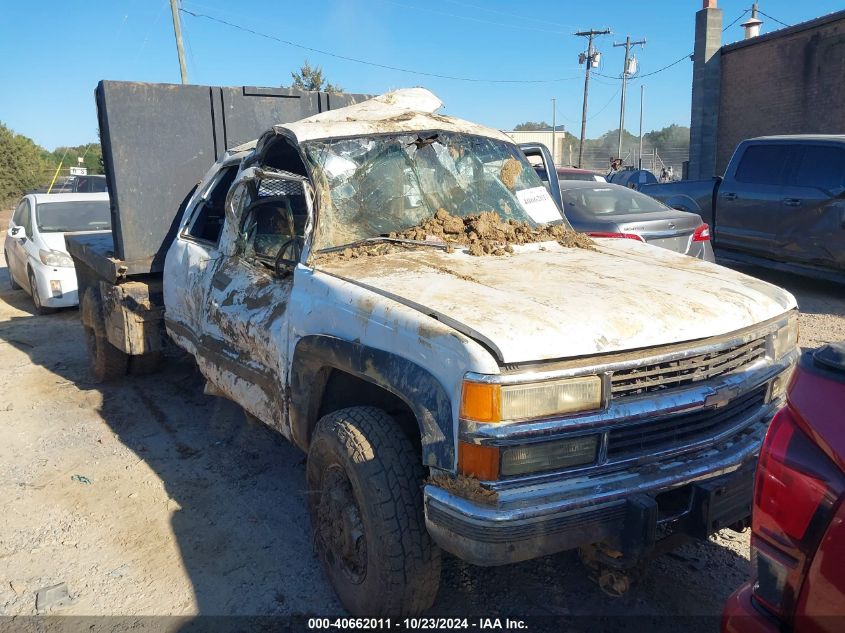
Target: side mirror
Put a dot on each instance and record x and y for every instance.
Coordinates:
(16, 232)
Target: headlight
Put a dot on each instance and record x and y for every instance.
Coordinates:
(786, 338)
(534, 458)
(484, 402)
(55, 258)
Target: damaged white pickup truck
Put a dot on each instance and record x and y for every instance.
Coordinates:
(396, 293)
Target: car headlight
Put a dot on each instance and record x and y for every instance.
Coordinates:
(55, 258)
(785, 339)
(542, 456)
(491, 402)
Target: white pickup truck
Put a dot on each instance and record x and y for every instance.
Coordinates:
(491, 385)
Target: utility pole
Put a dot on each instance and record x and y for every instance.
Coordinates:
(177, 31)
(625, 72)
(554, 128)
(590, 59)
(640, 162)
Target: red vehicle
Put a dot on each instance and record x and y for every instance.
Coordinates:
(798, 519)
(568, 173)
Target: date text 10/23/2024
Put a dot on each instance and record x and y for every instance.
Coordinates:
(416, 624)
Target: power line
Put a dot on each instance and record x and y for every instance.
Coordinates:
(775, 19)
(605, 106)
(367, 62)
(660, 70)
(741, 15)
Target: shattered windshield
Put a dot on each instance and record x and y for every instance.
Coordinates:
(378, 185)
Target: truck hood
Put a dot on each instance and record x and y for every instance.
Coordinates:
(549, 302)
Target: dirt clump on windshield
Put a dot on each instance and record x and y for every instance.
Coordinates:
(510, 173)
(482, 234)
(488, 234)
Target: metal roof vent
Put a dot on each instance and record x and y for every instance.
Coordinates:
(753, 24)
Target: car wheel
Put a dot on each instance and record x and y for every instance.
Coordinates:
(40, 308)
(364, 479)
(14, 284)
(106, 362)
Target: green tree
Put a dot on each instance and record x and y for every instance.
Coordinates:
(532, 126)
(311, 78)
(673, 136)
(22, 164)
(91, 154)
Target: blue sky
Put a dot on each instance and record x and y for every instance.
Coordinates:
(55, 52)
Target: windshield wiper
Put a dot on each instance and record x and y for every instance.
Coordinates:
(381, 239)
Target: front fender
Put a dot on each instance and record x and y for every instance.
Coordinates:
(419, 389)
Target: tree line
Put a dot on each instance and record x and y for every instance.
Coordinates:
(670, 137)
(25, 165)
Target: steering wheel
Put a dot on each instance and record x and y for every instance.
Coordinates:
(296, 244)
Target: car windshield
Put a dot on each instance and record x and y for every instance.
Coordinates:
(76, 215)
(377, 185)
(608, 200)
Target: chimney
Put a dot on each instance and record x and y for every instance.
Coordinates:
(752, 25)
(706, 82)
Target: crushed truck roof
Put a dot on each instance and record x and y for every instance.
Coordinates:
(400, 111)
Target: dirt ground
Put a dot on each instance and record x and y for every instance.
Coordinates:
(147, 497)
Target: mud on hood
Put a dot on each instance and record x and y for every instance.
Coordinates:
(550, 302)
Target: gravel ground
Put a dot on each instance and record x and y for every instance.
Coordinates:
(149, 498)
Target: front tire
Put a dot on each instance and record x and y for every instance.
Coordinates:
(40, 308)
(364, 480)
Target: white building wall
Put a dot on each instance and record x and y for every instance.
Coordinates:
(560, 153)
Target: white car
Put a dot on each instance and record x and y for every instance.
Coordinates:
(35, 244)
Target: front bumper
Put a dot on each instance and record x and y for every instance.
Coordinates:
(65, 276)
(622, 508)
(695, 489)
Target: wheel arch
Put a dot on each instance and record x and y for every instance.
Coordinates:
(326, 370)
(683, 203)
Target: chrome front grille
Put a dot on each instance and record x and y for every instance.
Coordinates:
(676, 430)
(685, 371)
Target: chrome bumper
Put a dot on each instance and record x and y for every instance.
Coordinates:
(544, 514)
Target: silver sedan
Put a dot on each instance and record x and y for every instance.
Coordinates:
(607, 210)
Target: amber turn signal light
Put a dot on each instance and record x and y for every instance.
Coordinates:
(481, 402)
(479, 462)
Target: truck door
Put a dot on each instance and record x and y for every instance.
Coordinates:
(195, 249)
(813, 226)
(249, 287)
(749, 211)
(541, 159)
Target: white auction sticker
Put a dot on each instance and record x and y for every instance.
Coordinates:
(538, 204)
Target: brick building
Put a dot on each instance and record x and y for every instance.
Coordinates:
(788, 81)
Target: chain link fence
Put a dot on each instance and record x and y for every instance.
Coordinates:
(598, 158)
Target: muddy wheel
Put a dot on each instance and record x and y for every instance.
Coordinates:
(107, 363)
(143, 364)
(40, 308)
(364, 482)
(14, 284)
